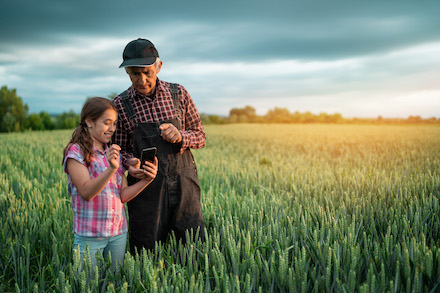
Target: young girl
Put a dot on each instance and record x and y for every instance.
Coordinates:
(97, 184)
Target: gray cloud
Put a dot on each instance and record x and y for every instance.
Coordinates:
(237, 30)
(56, 53)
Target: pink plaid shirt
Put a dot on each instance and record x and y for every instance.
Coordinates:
(156, 109)
(104, 215)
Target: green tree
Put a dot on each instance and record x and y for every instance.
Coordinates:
(215, 119)
(68, 120)
(8, 123)
(12, 110)
(336, 118)
(34, 122)
(205, 119)
(414, 119)
(242, 115)
(211, 119)
(309, 117)
(323, 118)
(278, 115)
(48, 122)
(112, 95)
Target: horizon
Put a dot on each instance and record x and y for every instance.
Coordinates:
(291, 112)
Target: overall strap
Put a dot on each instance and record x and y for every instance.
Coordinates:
(174, 89)
(125, 99)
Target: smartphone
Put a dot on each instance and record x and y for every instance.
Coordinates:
(148, 154)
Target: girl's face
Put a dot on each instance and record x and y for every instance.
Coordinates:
(101, 130)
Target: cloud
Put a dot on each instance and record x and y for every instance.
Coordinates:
(337, 56)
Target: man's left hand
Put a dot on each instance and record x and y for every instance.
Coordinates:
(170, 133)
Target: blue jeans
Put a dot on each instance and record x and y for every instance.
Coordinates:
(115, 245)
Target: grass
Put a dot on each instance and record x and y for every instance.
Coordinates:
(307, 208)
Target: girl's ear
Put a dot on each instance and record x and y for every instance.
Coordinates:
(88, 123)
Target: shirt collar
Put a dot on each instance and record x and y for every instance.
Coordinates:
(101, 152)
(150, 98)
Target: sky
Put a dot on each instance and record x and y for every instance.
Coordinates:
(358, 58)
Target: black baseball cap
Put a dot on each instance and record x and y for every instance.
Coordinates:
(139, 53)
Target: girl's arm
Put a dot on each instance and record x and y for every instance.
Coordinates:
(130, 192)
(87, 187)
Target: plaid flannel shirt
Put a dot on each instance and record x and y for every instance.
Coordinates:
(158, 108)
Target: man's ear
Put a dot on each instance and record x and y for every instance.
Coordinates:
(158, 66)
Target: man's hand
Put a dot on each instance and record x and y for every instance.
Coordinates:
(134, 169)
(170, 133)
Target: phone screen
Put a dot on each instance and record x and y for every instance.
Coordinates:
(148, 154)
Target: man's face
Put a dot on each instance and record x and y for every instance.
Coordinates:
(144, 78)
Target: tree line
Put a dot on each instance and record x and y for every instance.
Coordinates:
(14, 116)
(283, 115)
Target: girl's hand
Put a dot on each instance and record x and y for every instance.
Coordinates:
(113, 156)
(150, 170)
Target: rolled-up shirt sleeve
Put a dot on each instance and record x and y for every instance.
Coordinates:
(194, 134)
(123, 136)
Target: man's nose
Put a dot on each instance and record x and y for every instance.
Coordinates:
(142, 79)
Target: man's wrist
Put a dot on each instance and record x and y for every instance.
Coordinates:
(184, 142)
(127, 162)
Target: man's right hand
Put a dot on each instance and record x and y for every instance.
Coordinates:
(135, 170)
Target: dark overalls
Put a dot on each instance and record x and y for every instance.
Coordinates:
(171, 202)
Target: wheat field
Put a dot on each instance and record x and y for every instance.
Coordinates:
(287, 208)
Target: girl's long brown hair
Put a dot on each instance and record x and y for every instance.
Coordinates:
(92, 110)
